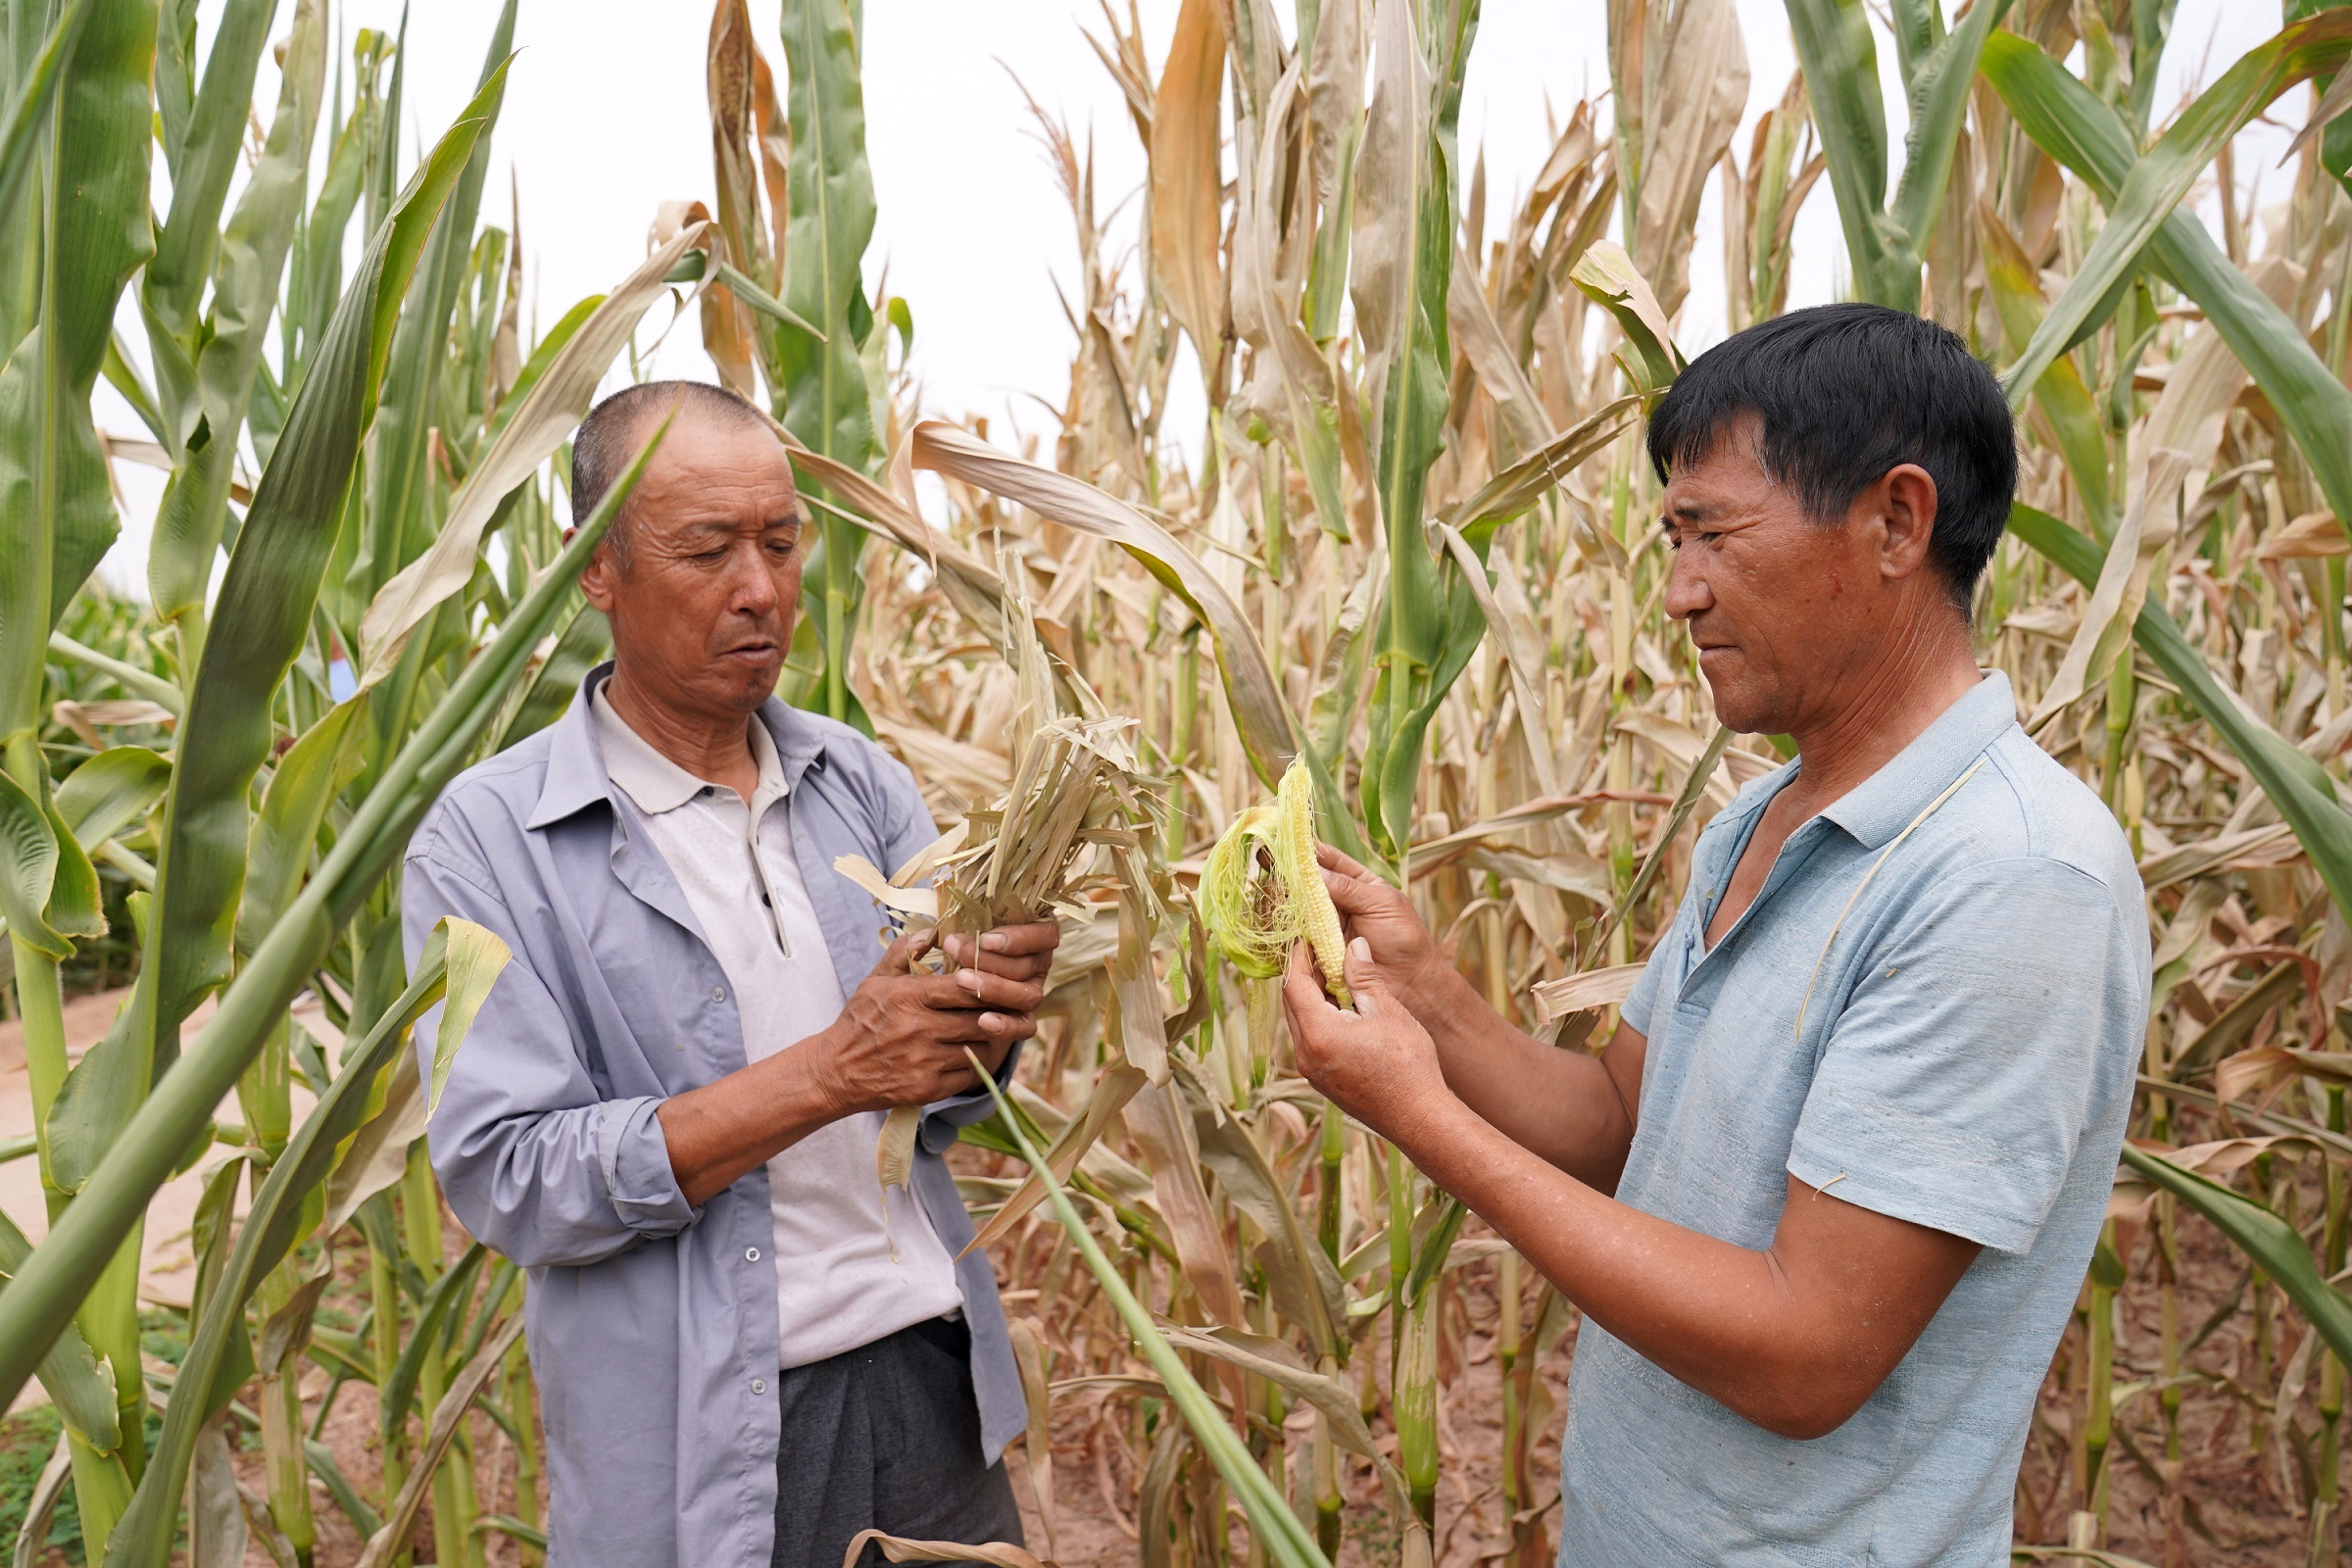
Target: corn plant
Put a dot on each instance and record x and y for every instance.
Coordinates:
(374, 650)
(1346, 573)
(1407, 553)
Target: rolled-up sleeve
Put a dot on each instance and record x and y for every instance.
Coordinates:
(534, 1164)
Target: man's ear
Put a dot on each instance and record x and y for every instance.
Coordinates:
(597, 578)
(1906, 503)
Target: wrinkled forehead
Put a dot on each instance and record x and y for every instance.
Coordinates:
(715, 463)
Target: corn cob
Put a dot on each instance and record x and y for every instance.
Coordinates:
(1294, 848)
(1261, 890)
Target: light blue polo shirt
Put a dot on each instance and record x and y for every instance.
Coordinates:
(1953, 1043)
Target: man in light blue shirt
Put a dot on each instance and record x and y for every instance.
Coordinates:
(1828, 1196)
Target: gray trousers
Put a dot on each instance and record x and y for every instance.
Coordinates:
(887, 1436)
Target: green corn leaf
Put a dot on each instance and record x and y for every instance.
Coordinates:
(477, 957)
(1840, 64)
(544, 355)
(2074, 126)
(2016, 287)
(28, 869)
(447, 1295)
(537, 422)
(2269, 1241)
(222, 358)
(1939, 89)
(324, 759)
(63, 1268)
(823, 394)
(81, 1385)
(396, 525)
(2296, 784)
(2162, 175)
(143, 1539)
(29, 115)
(1605, 274)
(56, 508)
(203, 161)
(767, 304)
(1286, 1540)
(585, 642)
(268, 593)
(110, 792)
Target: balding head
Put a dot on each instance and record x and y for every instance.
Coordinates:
(703, 571)
(608, 440)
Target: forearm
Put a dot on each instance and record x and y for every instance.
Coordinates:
(1561, 1104)
(721, 1131)
(1723, 1319)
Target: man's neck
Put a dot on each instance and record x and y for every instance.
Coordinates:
(1899, 698)
(714, 747)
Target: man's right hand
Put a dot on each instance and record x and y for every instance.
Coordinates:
(1404, 954)
(901, 1036)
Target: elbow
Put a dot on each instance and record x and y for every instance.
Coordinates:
(1804, 1420)
(1804, 1401)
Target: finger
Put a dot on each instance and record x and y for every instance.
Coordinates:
(1003, 1028)
(898, 958)
(1333, 859)
(1302, 996)
(1357, 894)
(1012, 966)
(998, 991)
(1028, 939)
(1364, 983)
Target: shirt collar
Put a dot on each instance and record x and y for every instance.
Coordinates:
(1889, 799)
(579, 774)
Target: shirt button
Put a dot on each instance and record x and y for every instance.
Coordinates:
(759, 1385)
(718, 993)
(750, 1254)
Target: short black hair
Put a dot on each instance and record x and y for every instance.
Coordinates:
(1845, 393)
(606, 441)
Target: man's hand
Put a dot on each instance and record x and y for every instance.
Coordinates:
(901, 1036)
(1377, 1063)
(1022, 951)
(1401, 950)
(900, 1041)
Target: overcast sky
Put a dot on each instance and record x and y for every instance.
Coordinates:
(604, 118)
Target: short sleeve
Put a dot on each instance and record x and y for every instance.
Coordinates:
(1996, 1020)
(1641, 1004)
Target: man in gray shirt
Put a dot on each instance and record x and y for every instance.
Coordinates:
(747, 1350)
(1828, 1196)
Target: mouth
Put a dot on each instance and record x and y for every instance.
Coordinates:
(752, 652)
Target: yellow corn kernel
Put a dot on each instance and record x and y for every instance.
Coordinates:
(1294, 847)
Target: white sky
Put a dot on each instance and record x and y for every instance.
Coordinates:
(604, 117)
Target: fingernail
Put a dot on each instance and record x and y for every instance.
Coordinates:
(995, 942)
(991, 1023)
(970, 979)
(1360, 949)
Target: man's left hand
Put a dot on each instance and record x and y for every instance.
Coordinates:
(1378, 1062)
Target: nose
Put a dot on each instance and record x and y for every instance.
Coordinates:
(1687, 590)
(753, 591)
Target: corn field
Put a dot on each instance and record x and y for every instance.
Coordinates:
(1412, 546)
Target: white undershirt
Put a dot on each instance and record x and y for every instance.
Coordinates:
(852, 1264)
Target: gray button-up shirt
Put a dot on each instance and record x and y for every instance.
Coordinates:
(651, 1324)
